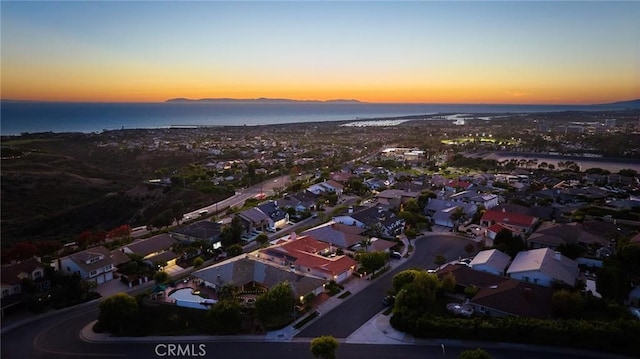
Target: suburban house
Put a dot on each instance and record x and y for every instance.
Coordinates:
(544, 267)
(395, 198)
(440, 210)
(377, 183)
(301, 201)
(93, 264)
(457, 185)
(552, 235)
(341, 176)
(13, 275)
(254, 220)
(376, 219)
(500, 296)
(308, 255)
(520, 224)
(513, 298)
(491, 261)
(541, 212)
(467, 277)
(249, 273)
(279, 218)
(337, 234)
(155, 250)
(326, 187)
(200, 231)
(487, 200)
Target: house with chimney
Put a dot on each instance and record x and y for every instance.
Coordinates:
(337, 234)
(249, 273)
(309, 255)
(544, 267)
(491, 261)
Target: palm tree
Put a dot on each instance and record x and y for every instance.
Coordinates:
(228, 292)
(457, 216)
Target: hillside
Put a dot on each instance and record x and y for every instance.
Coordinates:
(55, 188)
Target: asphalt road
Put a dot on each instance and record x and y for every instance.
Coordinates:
(57, 335)
(361, 307)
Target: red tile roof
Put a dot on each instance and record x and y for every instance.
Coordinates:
(306, 251)
(458, 183)
(516, 219)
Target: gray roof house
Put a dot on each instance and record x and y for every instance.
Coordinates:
(544, 267)
(94, 264)
(244, 271)
(491, 261)
(254, 219)
(440, 210)
(337, 234)
(199, 231)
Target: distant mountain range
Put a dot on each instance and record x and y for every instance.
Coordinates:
(256, 100)
(632, 104)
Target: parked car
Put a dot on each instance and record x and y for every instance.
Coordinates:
(389, 300)
(396, 255)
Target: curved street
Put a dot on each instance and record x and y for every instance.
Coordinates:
(57, 335)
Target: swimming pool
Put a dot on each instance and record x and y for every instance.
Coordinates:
(184, 297)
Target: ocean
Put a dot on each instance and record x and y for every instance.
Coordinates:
(31, 117)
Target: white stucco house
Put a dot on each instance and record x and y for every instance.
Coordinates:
(491, 261)
(543, 267)
(93, 264)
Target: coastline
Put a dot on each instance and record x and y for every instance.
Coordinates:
(612, 164)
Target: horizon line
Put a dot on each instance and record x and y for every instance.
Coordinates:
(315, 100)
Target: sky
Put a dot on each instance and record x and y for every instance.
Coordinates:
(538, 52)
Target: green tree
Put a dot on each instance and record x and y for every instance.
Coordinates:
(401, 279)
(418, 296)
(116, 311)
(232, 233)
(474, 354)
(234, 250)
(262, 239)
(178, 209)
(567, 304)
(457, 216)
(275, 304)
(164, 219)
(506, 242)
(225, 317)
(449, 283)
(412, 206)
(372, 261)
(228, 292)
(324, 347)
(197, 262)
(161, 277)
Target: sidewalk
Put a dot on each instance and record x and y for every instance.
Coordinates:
(353, 285)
